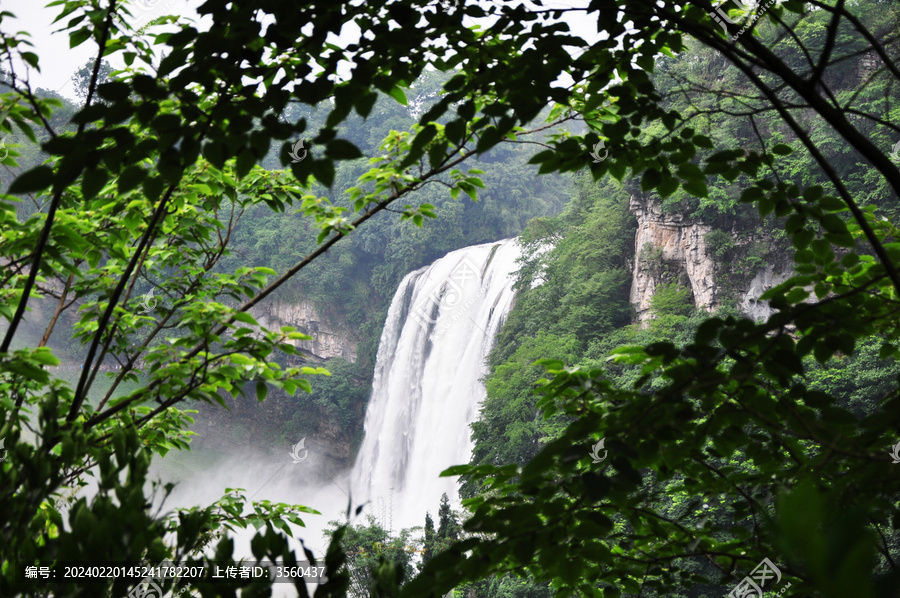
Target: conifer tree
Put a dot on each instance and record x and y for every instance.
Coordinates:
(448, 524)
(429, 539)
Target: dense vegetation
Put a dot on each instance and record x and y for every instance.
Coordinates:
(583, 258)
(357, 279)
(352, 284)
(730, 441)
(573, 302)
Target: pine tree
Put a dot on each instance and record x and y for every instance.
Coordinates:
(429, 539)
(448, 526)
(443, 517)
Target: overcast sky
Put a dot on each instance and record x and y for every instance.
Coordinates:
(58, 62)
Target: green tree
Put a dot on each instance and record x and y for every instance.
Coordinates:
(510, 429)
(140, 197)
(731, 411)
(81, 80)
(429, 539)
(372, 553)
(448, 523)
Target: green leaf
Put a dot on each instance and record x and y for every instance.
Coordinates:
(43, 355)
(92, 181)
(244, 164)
(667, 185)
(31, 58)
(76, 38)
(214, 152)
(341, 149)
(650, 180)
(130, 178)
(751, 194)
(397, 94)
(365, 103)
(782, 149)
(832, 204)
(36, 179)
(244, 317)
(323, 170)
(696, 187)
(114, 91)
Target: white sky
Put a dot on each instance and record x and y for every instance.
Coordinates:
(58, 62)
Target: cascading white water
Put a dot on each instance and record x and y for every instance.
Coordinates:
(426, 390)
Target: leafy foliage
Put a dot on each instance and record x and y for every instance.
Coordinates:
(373, 554)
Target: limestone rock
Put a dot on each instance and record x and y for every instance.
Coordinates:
(329, 340)
(765, 279)
(672, 247)
(669, 246)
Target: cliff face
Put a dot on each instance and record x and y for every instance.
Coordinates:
(271, 426)
(671, 247)
(278, 423)
(768, 277)
(328, 341)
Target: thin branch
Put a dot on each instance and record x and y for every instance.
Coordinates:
(54, 204)
(80, 391)
(60, 306)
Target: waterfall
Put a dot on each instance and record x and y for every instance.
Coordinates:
(427, 386)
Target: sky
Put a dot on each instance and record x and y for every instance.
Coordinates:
(58, 62)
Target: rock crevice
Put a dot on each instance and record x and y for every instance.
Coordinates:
(670, 247)
(329, 340)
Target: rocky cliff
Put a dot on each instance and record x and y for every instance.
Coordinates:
(272, 424)
(329, 339)
(672, 247)
(669, 247)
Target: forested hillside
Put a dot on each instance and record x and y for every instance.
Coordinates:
(574, 290)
